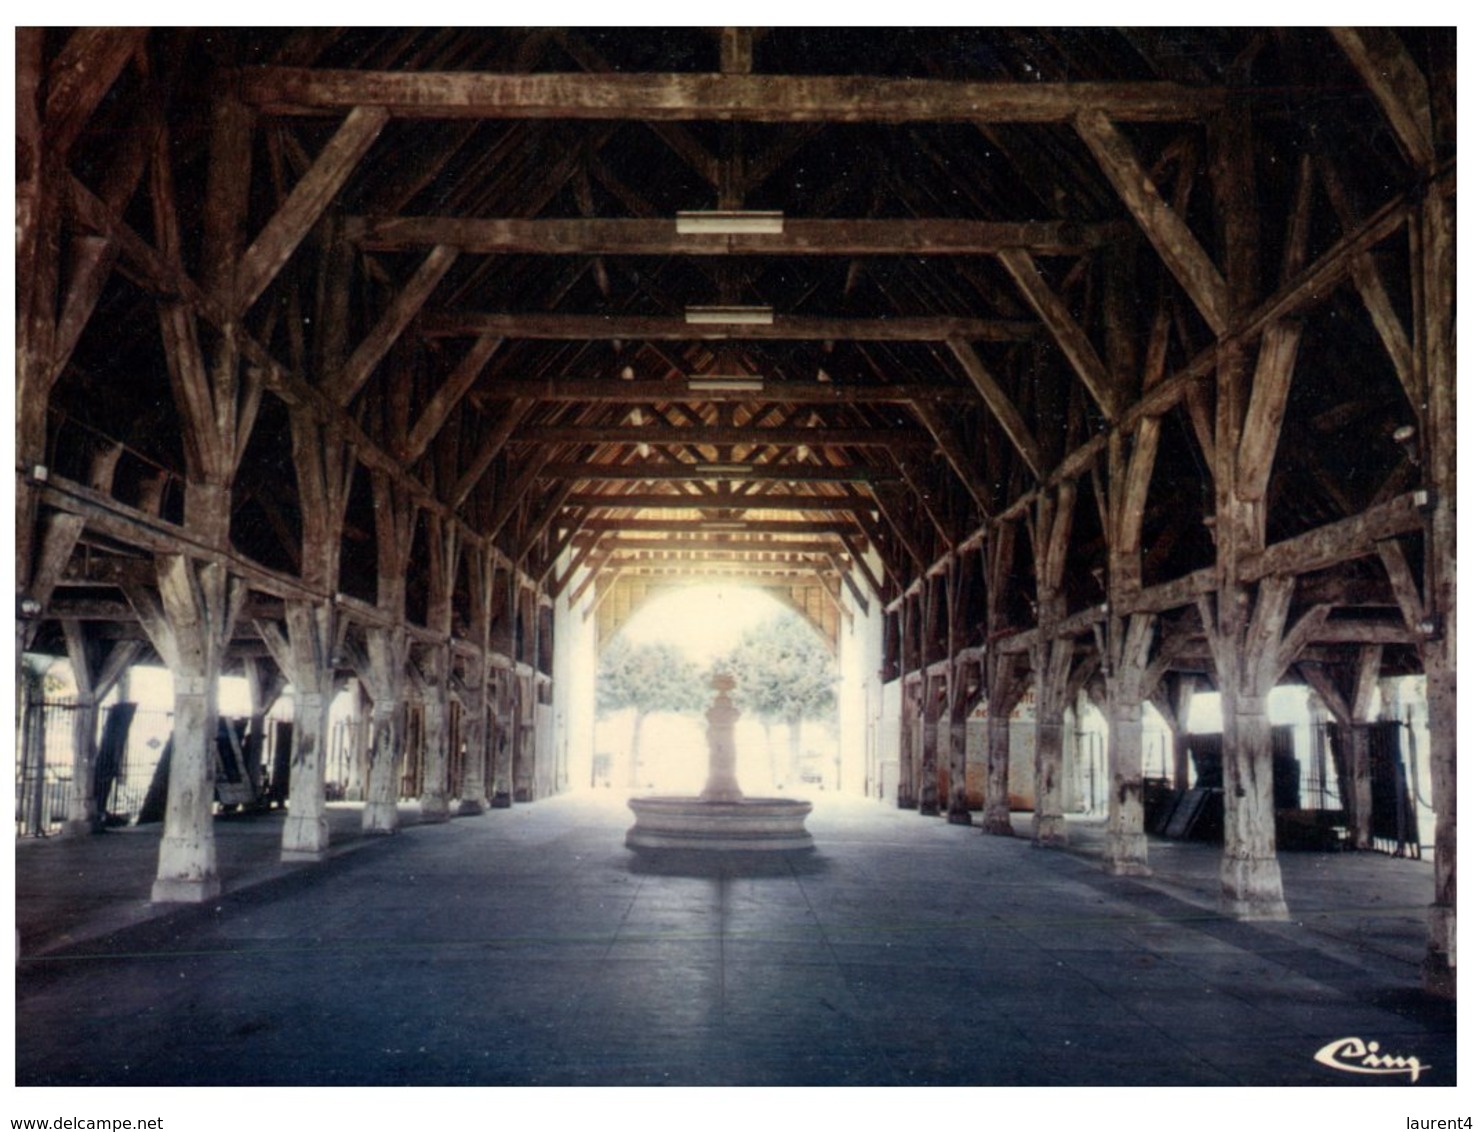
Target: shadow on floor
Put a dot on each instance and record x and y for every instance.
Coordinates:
(727, 864)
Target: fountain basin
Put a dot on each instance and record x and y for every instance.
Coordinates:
(697, 823)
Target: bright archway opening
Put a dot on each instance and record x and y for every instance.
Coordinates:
(653, 685)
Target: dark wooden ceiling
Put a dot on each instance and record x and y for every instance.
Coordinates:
(1000, 248)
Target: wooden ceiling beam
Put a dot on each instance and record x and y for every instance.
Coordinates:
(489, 448)
(588, 390)
(720, 434)
(1064, 329)
(684, 143)
(1004, 410)
(714, 97)
(447, 396)
(777, 579)
(753, 527)
(783, 328)
(305, 204)
(800, 237)
(1176, 245)
(1397, 85)
(659, 502)
(719, 545)
(81, 75)
(791, 473)
(344, 385)
(964, 466)
(164, 277)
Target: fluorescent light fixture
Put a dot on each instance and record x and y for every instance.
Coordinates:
(725, 383)
(723, 469)
(729, 223)
(723, 525)
(730, 315)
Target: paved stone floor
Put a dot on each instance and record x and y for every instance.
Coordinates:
(529, 947)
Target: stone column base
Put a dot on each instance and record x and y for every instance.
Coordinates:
(1251, 889)
(79, 827)
(1049, 831)
(470, 807)
(1127, 855)
(305, 839)
(379, 817)
(956, 816)
(500, 802)
(1439, 968)
(1438, 977)
(998, 826)
(302, 856)
(434, 809)
(180, 890)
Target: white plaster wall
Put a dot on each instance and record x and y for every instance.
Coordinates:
(888, 745)
(574, 692)
(860, 699)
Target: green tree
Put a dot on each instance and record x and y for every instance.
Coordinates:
(784, 674)
(647, 678)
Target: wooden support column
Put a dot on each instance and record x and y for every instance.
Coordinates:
(1127, 647)
(1171, 695)
(1246, 649)
(1050, 659)
(38, 230)
(523, 756)
(360, 741)
(473, 687)
(432, 675)
(1245, 631)
(190, 624)
(434, 666)
(1002, 685)
(506, 597)
(1003, 688)
(265, 683)
(1051, 663)
(304, 653)
(1437, 271)
(934, 699)
(934, 691)
(304, 647)
(958, 684)
(911, 718)
(382, 671)
(911, 695)
(382, 665)
(1351, 736)
(95, 671)
(216, 402)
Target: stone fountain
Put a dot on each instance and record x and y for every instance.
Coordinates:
(720, 818)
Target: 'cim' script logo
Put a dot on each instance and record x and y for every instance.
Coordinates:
(1355, 1055)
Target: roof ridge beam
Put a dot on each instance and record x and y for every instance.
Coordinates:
(783, 328)
(800, 236)
(713, 97)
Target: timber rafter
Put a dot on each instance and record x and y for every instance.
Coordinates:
(463, 272)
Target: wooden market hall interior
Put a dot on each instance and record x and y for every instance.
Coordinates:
(1072, 385)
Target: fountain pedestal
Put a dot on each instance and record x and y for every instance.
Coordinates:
(720, 818)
